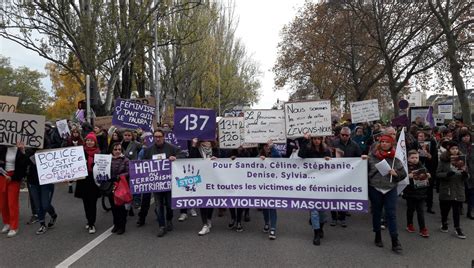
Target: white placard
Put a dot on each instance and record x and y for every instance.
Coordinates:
(63, 128)
(446, 110)
(264, 125)
(420, 111)
(60, 165)
(365, 111)
(439, 118)
(308, 117)
(231, 131)
(102, 167)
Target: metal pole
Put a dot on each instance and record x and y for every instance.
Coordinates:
(88, 98)
(219, 82)
(157, 72)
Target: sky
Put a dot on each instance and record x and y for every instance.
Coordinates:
(260, 23)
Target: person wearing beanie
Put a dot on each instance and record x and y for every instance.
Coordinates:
(452, 172)
(86, 189)
(383, 189)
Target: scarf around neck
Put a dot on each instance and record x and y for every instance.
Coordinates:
(90, 152)
(381, 154)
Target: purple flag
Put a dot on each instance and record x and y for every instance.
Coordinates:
(429, 117)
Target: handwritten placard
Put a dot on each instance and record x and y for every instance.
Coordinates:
(231, 132)
(8, 104)
(446, 110)
(133, 115)
(308, 117)
(264, 125)
(103, 121)
(26, 128)
(63, 128)
(60, 165)
(365, 111)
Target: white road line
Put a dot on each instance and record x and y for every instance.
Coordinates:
(84, 250)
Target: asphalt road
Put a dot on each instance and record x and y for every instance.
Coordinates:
(139, 247)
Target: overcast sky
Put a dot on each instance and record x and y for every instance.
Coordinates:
(260, 22)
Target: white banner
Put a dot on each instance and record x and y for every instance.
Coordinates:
(231, 131)
(63, 128)
(102, 167)
(280, 183)
(264, 125)
(308, 117)
(60, 165)
(365, 111)
(446, 110)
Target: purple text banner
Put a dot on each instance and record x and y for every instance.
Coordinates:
(336, 184)
(190, 123)
(133, 115)
(149, 176)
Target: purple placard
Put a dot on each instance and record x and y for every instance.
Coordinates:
(190, 123)
(149, 176)
(401, 121)
(170, 137)
(270, 203)
(133, 115)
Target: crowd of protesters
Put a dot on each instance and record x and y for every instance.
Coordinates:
(440, 159)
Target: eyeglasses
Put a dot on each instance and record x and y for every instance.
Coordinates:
(158, 137)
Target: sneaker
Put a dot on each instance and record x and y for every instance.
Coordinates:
(193, 212)
(33, 220)
(382, 226)
(460, 234)
(231, 225)
(239, 228)
(52, 222)
(444, 228)
(272, 235)
(424, 232)
(92, 229)
(87, 226)
(266, 228)
(411, 228)
(343, 224)
(333, 223)
(5, 228)
(161, 232)
(42, 230)
(205, 230)
(12, 233)
(182, 217)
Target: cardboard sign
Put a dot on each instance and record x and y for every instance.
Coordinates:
(364, 111)
(102, 167)
(63, 128)
(264, 125)
(190, 123)
(103, 121)
(133, 115)
(308, 117)
(60, 165)
(446, 110)
(8, 104)
(231, 131)
(26, 128)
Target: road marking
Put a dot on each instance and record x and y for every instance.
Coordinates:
(84, 250)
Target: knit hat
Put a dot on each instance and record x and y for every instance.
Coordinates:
(91, 136)
(386, 138)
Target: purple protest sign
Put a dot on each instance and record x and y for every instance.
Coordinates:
(192, 123)
(133, 115)
(149, 176)
(170, 137)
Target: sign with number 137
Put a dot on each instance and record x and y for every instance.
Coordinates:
(192, 123)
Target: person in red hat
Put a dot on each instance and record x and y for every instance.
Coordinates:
(86, 189)
(383, 189)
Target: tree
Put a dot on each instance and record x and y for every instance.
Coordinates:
(67, 91)
(24, 84)
(455, 21)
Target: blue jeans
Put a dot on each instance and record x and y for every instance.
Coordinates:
(317, 217)
(270, 217)
(33, 207)
(387, 201)
(41, 196)
(162, 207)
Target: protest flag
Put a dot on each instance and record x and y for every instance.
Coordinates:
(401, 154)
(429, 117)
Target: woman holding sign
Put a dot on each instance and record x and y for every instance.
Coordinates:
(315, 148)
(119, 167)
(383, 188)
(86, 189)
(12, 170)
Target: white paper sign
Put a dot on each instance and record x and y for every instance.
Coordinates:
(63, 128)
(231, 131)
(102, 167)
(446, 110)
(308, 117)
(264, 125)
(421, 112)
(439, 118)
(60, 165)
(383, 167)
(365, 111)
